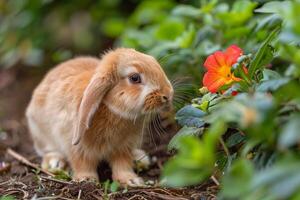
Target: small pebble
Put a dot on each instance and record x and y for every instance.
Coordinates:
(149, 182)
(4, 167)
(154, 159)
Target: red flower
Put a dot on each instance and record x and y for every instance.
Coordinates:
(218, 67)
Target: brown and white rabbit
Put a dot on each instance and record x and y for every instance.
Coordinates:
(88, 109)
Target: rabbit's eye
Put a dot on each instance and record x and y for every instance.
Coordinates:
(135, 78)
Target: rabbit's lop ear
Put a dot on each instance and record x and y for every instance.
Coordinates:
(101, 82)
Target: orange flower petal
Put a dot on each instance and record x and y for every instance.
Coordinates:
(234, 49)
(232, 54)
(218, 66)
(211, 63)
(220, 58)
(213, 81)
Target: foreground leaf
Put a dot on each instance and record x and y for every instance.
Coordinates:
(183, 132)
(290, 134)
(195, 159)
(263, 55)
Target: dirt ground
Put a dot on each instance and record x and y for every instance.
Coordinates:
(24, 182)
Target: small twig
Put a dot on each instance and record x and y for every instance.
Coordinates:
(137, 196)
(213, 178)
(163, 196)
(27, 162)
(55, 180)
(241, 132)
(79, 194)
(5, 182)
(165, 191)
(224, 147)
(15, 190)
(97, 197)
(153, 192)
(53, 197)
(24, 186)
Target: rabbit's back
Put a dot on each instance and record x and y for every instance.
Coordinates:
(65, 80)
(55, 102)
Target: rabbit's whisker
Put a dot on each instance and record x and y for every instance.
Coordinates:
(149, 128)
(158, 124)
(155, 126)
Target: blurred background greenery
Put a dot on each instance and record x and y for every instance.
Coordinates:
(43, 32)
(179, 33)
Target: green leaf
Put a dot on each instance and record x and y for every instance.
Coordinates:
(204, 106)
(114, 186)
(7, 198)
(273, 7)
(187, 11)
(239, 14)
(113, 27)
(62, 175)
(190, 116)
(244, 110)
(190, 166)
(234, 139)
(268, 22)
(280, 180)
(263, 55)
(186, 39)
(270, 74)
(286, 186)
(236, 183)
(184, 131)
(272, 85)
(290, 134)
(195, 159)
(169, 29)
(148, 12)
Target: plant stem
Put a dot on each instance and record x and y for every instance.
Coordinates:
(224, 147)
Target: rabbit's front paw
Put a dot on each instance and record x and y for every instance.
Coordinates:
(53, 161)
(129, 179)
(136, 182)
(85, 177)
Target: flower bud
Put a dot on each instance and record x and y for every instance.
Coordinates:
(234, 67)
(203, 90)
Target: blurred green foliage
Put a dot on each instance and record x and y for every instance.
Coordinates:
(7, 198)
(257, 155)
(43, 32)
(182, 35)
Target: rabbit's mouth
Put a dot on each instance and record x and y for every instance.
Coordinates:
(156, 102)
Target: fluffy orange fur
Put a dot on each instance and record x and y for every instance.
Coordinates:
(91, 103)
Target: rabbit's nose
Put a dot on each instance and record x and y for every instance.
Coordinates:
(164, 99)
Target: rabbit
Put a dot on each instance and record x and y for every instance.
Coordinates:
(87, 109)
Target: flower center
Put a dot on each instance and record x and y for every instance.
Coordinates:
(225, 72)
